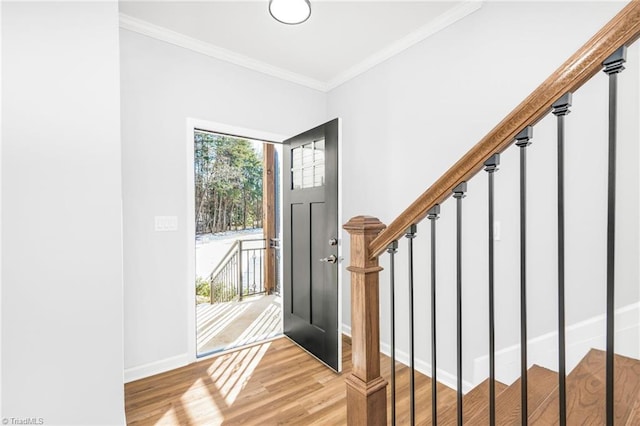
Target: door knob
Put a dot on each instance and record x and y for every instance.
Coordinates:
(330, 259)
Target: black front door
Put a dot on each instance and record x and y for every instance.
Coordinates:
(310, 201)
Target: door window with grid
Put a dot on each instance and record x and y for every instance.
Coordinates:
(307, 165)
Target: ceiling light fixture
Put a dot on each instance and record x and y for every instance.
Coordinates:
(290, 12)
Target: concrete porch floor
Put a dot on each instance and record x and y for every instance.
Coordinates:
(227, 325)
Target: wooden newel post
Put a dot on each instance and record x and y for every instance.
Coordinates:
(366, 389)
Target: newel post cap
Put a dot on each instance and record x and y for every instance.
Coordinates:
(364, 225)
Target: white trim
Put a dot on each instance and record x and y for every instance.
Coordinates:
(581, 337)
(240, 348)
(231, 130)
(441, 22)
(160, 33)
(190, 243)
(164, 34)
(156, 367)
(423, 367)
(340, 238)
(191, 125)
(1, 328)
(542, 350)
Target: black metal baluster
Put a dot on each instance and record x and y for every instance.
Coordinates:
(392, 250)
(458, 194)
(411, 234)
(491, 166)
(613, 65)
(523, 140)
(560, 110)
(432, 215)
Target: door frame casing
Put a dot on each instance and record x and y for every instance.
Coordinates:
(341, 234)
(194, 124)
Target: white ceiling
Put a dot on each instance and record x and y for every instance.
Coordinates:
(340, 40)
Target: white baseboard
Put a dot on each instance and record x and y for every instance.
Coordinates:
(542, 350)
(580, 337)
(346, 330)
(423, 367)
(156, 367)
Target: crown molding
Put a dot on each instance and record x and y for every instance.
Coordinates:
(439, 23)
(160, 33)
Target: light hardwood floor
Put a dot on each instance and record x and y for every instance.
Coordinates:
(265, 384)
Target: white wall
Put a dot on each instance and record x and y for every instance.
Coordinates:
(61, 253)
(162, 86)
(410, 118)
(1, 73)
(62, 355)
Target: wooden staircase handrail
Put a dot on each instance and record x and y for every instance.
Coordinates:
(623, 29)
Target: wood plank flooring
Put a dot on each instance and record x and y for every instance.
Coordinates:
(278, 383)
(269, 383)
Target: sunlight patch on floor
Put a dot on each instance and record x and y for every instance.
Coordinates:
(266, 325)
(227, 325)
(237, 382)
(176, 415)
(226, 378)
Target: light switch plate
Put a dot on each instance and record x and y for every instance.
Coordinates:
(166, 223)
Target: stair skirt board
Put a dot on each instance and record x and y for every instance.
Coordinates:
(581, 338)
(542, 350)
(422, 367)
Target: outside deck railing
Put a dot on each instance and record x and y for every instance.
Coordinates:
(240, 273)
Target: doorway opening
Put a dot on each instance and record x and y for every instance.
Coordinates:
(237, 225)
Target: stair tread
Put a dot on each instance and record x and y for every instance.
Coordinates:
(634, 415)
(586, 392)
(472, 402)
(540, 381)
(446, 395)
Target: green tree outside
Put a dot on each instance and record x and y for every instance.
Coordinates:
(228, 184)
